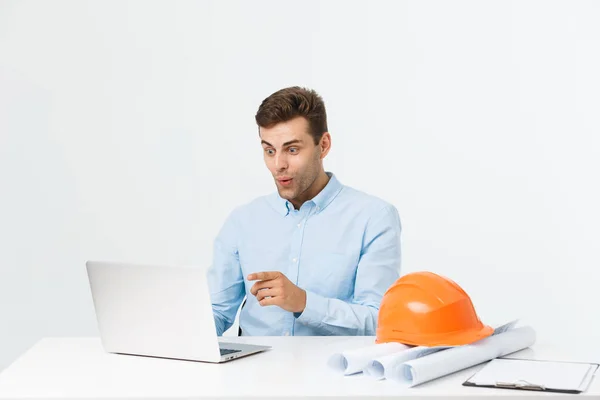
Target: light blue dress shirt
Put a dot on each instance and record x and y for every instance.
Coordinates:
(342, 247)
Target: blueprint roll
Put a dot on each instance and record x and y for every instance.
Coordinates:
(389, 366)
(380, 367)
(356, 360)
(436, 365)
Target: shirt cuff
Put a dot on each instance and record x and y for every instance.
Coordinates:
(314, 311)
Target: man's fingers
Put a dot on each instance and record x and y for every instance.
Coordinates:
(262, 285)
(264, 276)
(267, 293)
(271, 301)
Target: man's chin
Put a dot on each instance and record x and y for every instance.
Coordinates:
(285, 193)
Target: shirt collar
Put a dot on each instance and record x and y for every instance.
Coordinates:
(326, 196)
(321, 200)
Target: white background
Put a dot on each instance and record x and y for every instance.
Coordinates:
(127, 133)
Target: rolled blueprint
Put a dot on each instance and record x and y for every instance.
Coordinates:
(441, 363)
(378, 367)
(354, 361)
(386, 366)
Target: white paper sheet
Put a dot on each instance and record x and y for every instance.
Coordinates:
(545, 374)
(454, 359)
(354, 361)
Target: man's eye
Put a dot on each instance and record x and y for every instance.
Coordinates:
(270, 151)
(293, 149)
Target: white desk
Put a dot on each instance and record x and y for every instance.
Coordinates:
(78, 368)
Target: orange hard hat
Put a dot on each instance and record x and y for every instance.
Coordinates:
(426, 309)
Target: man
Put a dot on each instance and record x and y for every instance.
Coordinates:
(316, 257)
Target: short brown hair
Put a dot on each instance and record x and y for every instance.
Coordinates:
(292, 102)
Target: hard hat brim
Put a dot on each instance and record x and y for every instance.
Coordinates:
(449, 339)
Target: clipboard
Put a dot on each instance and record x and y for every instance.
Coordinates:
(536, 375)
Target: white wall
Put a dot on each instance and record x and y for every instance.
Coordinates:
(127, 132)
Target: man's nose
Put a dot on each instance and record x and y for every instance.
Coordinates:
(280, 162)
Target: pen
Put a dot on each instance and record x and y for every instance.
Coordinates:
(520, 385)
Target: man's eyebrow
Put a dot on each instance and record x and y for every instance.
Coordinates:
(285, 144)
(292, 142)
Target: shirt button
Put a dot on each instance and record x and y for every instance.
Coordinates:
(287, 334)
(294, 259)
(300, 224)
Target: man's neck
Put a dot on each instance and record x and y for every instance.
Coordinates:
(318, 185)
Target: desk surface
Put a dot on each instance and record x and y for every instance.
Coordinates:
(69, 368)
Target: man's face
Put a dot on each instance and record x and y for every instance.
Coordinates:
(293, 158)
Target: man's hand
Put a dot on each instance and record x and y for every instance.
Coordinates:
(280, 290)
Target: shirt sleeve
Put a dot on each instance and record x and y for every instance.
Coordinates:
(378, 268)
(225, 277)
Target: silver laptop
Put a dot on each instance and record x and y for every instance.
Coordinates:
(158, 311)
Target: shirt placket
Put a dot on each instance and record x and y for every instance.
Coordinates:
(295, 255)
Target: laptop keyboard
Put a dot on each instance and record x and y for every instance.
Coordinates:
(228, 351)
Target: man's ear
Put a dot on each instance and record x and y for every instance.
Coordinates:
(325, 144)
